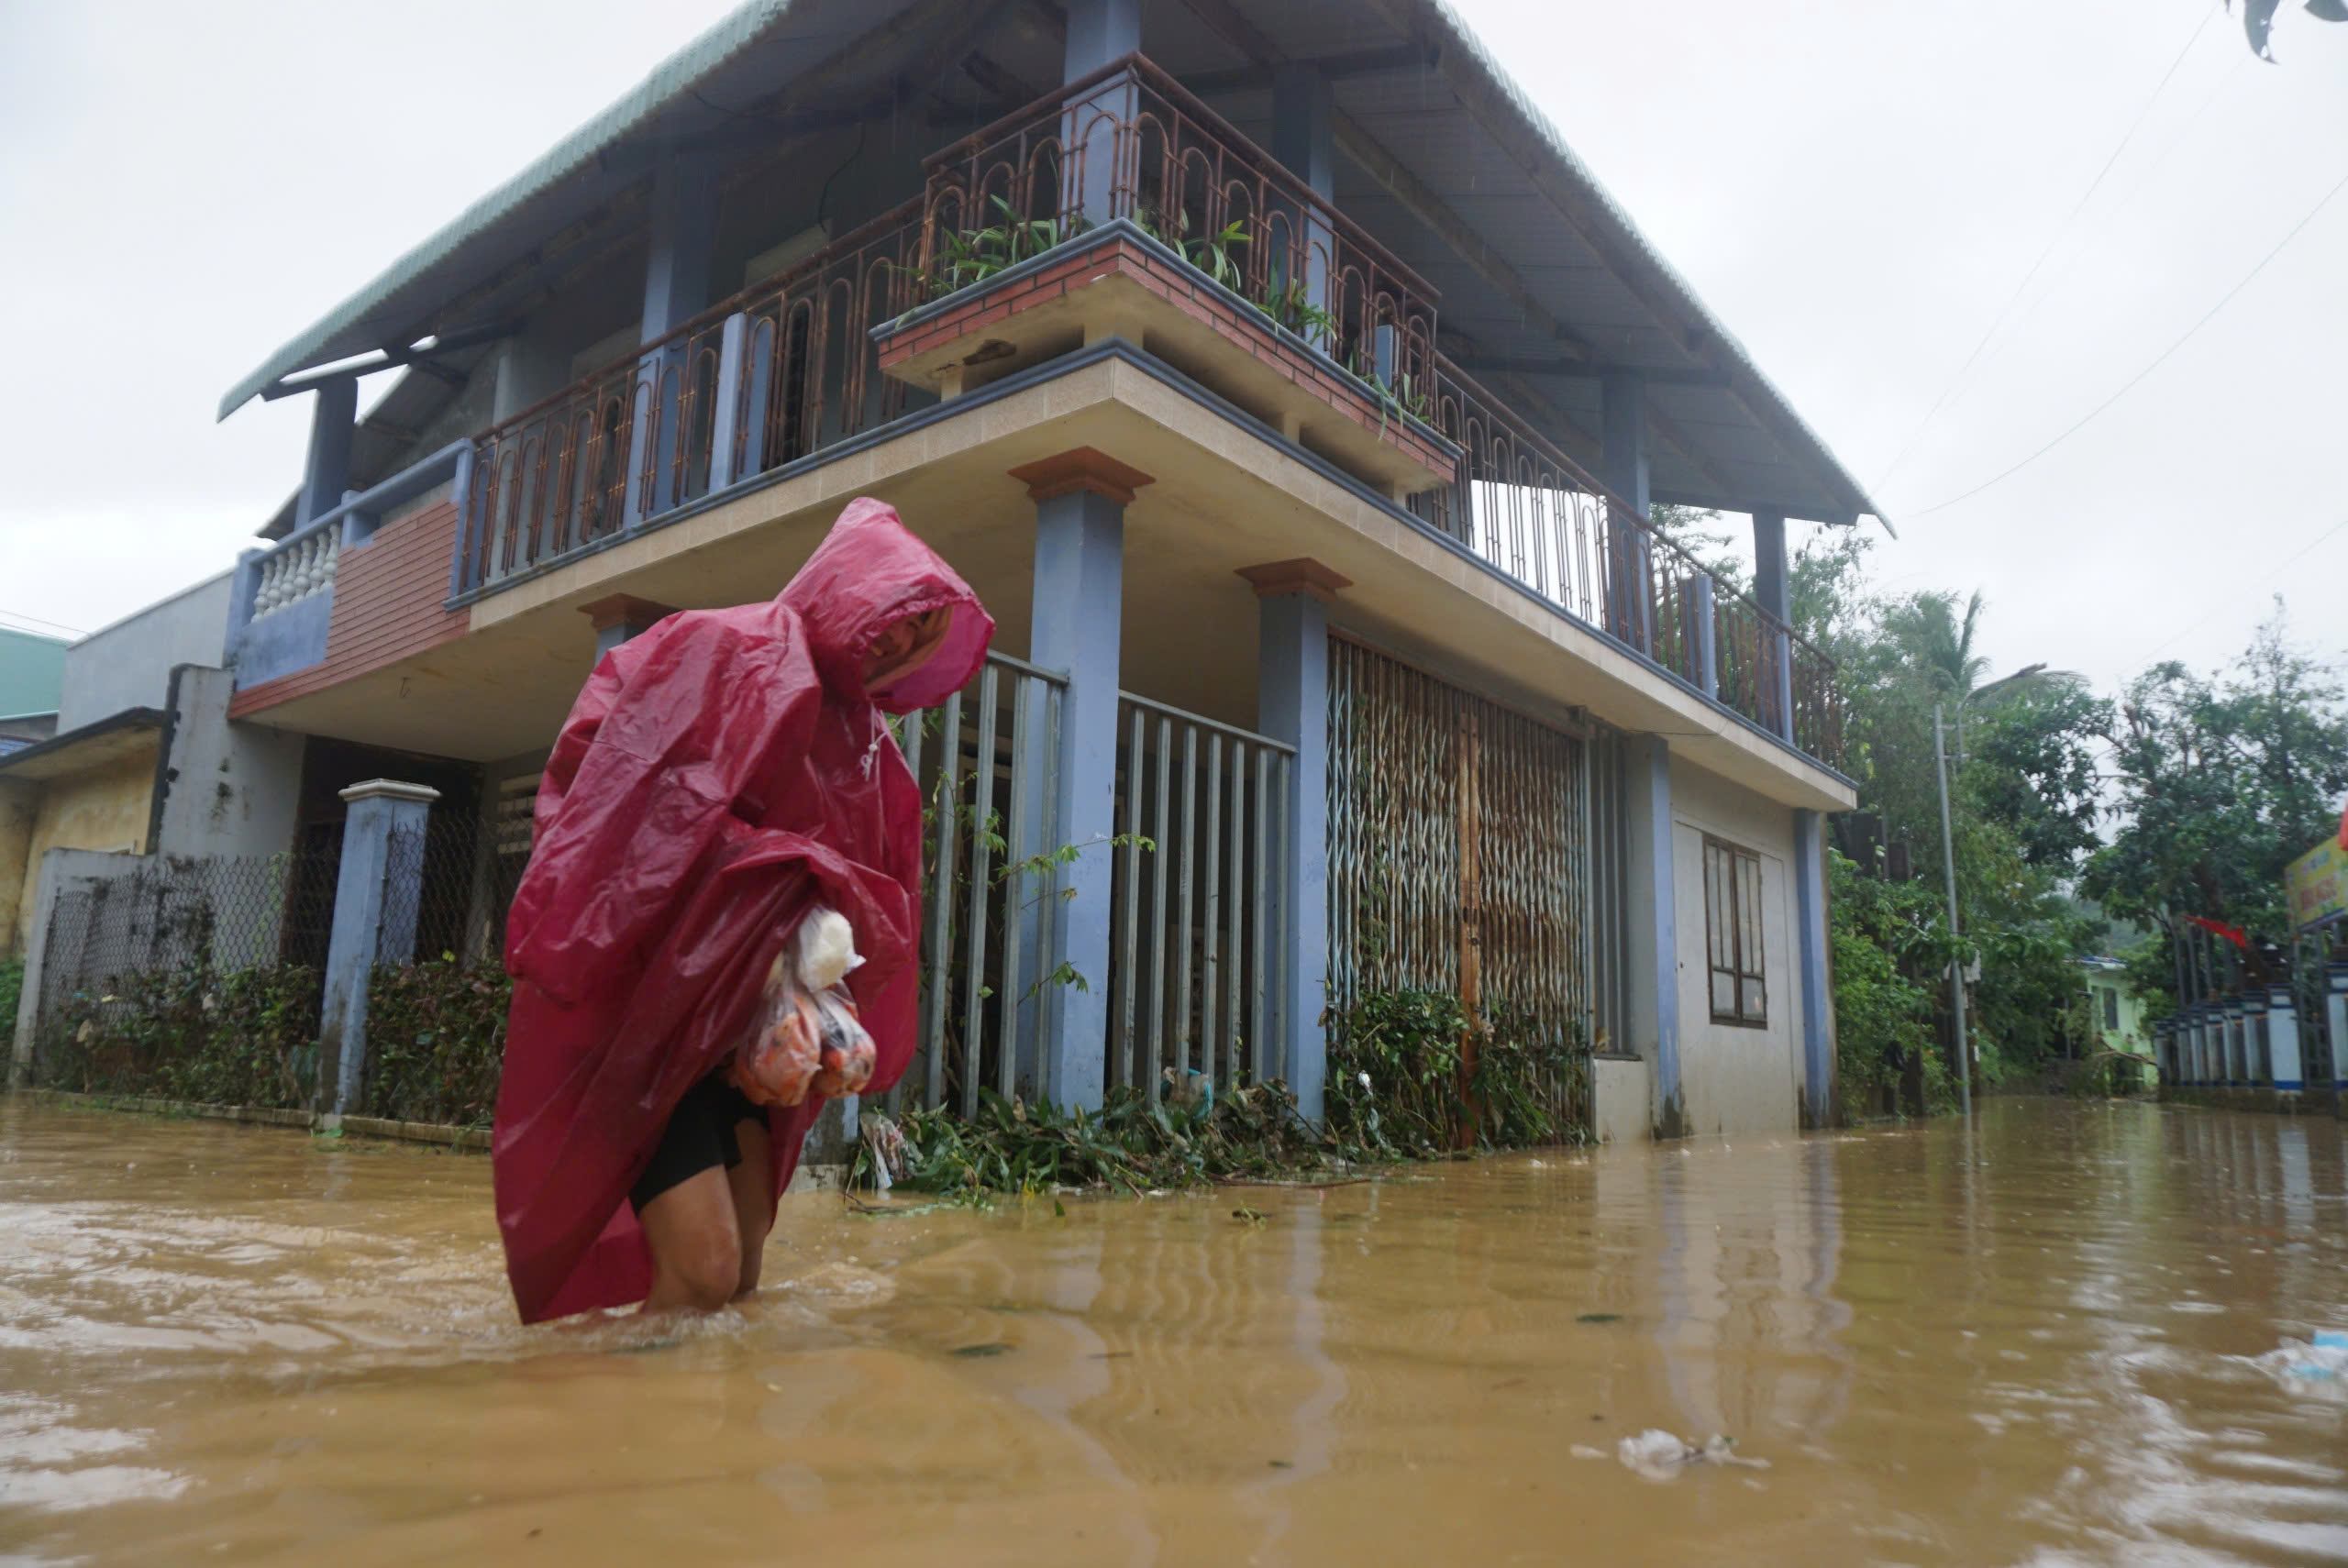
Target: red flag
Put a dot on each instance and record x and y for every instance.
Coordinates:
(2228, 933)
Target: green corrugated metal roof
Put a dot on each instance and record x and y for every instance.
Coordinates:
(32, 672)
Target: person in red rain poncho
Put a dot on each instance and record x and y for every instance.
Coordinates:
(721, 775)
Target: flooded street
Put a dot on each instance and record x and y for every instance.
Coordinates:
(2035, 1344)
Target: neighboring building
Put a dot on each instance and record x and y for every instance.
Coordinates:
(2115, 1014)
(31, 668)
(1300, 433)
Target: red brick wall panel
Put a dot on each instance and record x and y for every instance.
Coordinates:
(389, 598)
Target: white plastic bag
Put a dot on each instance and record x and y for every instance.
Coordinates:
(806, 1037)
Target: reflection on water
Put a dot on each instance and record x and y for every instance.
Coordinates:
(2033, 1341)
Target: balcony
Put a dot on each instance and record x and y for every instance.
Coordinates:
(1120, 208)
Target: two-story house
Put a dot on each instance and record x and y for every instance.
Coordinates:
(1295, 399)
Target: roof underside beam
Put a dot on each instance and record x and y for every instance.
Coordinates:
(1524, 146)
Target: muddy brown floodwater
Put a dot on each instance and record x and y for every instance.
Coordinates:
(2037, 1343)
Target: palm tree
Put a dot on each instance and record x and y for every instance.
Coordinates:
(1936, 642)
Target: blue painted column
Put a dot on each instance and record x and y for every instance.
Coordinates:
(1076, 627)
(1303, 113)
(681, 239)
(2283, 1056)
(1292, 705)
(1623, 443)
(1814, 956)
(1769, 590)
(375, 904)
(1099, 31)
(2237, 1052)
(325, 472)
(1703, 610)
(2336, 1017)
(1650, 895)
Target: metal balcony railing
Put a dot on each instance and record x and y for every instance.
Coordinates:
(790, 367)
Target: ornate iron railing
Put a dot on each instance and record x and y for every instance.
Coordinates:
(1129, 141)
(1524, 507)
(782, 370)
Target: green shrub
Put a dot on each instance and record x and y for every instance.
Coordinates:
(435, 1042)
(232, 1037)
(1394, 1078)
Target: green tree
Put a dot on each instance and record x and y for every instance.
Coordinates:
(2222, 782)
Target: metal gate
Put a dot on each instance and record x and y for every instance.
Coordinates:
(1458, 858)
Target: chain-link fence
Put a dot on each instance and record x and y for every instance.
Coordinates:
(189, 979)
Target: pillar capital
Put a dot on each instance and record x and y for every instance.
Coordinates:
(621, 617)
(391, 790)
(1085, 469)
(1277, 580)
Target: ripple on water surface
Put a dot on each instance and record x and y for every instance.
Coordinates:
(2049, 1339)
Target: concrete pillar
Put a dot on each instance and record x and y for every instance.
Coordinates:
(1770, 591)
(326, 473)
(375, 920)
(738, 425)
(1099, 31)
(2163, 1042)
(1080, 497)
(1649, 900)
(1813, 955)
(1623, 444)
(683, 235)
(621, 617)
(2237, 1051)
(2283, 1063)
(1292, 705)
(1303, 110)
(1705, 625)
(530, 371)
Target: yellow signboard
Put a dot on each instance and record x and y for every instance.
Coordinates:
(2316, 884)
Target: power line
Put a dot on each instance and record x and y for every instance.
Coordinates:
(2318, 543)
(2132, 384)
(36, 621)
(2005, 311)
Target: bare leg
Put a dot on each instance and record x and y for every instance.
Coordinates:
(697, 1255)
(752, 1183)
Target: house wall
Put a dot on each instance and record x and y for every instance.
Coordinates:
(106, 808)
(19, 809)
(1735, 1079)
(388, 595)
(229, 789)
(129, 664)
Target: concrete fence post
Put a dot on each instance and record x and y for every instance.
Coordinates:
(2283, 1041)
(2336, 1015)
(375, 904)
(2253, 1037)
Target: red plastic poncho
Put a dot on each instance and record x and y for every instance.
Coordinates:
(718, 775)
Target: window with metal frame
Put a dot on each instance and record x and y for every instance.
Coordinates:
(2111, 1009)
(1733, 934)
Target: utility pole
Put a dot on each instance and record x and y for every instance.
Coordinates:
(1956, 965)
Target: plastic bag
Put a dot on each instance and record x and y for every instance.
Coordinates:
(805, 1036)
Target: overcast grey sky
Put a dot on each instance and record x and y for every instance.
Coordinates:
(1857, 187)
